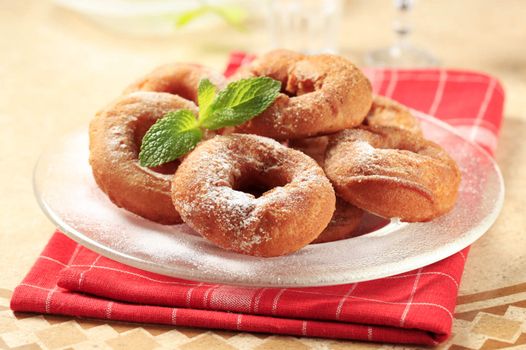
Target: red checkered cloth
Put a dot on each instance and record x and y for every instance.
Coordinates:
(414, 307)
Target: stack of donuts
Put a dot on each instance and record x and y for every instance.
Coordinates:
(303, 171)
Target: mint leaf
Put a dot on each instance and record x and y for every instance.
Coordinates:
(240, 101)
(172, 136)
(186, 17)
(232, 15)
(178, 132)
(206, 92)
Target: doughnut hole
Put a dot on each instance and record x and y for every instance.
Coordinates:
(297, 87)
(257, 183)
(141, 127)
(304, 79)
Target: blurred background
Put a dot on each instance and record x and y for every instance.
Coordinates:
(80, 52)
(60, 61)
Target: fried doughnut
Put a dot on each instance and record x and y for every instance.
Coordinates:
(116, 134)
(314, 147)
(177, 78)
(320, 94)
(383, 112)
(251, 195)
(346, 217)
(392, 173)
(387, 112)
(343, 224)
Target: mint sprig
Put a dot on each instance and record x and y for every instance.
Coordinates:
(169, 138)
(232, 15)
(206, 93)
(240, 101)
(178, 132)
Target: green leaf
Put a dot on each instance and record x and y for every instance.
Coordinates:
(206, 92)
(178, 132)
(191, 15)
(172, 136)
(232, 15)
(240, 101)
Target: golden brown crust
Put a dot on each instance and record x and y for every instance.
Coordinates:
(211, 190)
(177, 78)
(392, 173)
(321, 94)
(314, 147)
(343, 224)
(115, 136)
(387, 112)
(346, 217)
(383, 112)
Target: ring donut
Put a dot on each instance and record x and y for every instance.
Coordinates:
(177, 78)
(116, 134)
(346, 217)
(387, 112)
(392, 173)
(321, 94)
(383, 112)
(314, 147)
(252, 195)
(343, 224)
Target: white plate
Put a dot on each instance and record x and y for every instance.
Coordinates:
(67, 193)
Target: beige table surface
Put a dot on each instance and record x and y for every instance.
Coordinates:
(57, 69)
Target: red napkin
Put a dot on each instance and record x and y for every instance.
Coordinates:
(414, 307)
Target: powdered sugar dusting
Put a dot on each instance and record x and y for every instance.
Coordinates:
(237, 214)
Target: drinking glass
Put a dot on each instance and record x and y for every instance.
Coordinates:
(402, 53)
(308, 26)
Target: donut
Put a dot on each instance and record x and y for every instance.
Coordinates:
(387, 112)
(251, 195)
(383, 112)
(177, 78)
(392, 173)
(116, 134)
(314, 147)
(343, 224)
(346, 217)
(321, 94)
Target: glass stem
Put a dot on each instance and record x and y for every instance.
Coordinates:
(401, 24)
